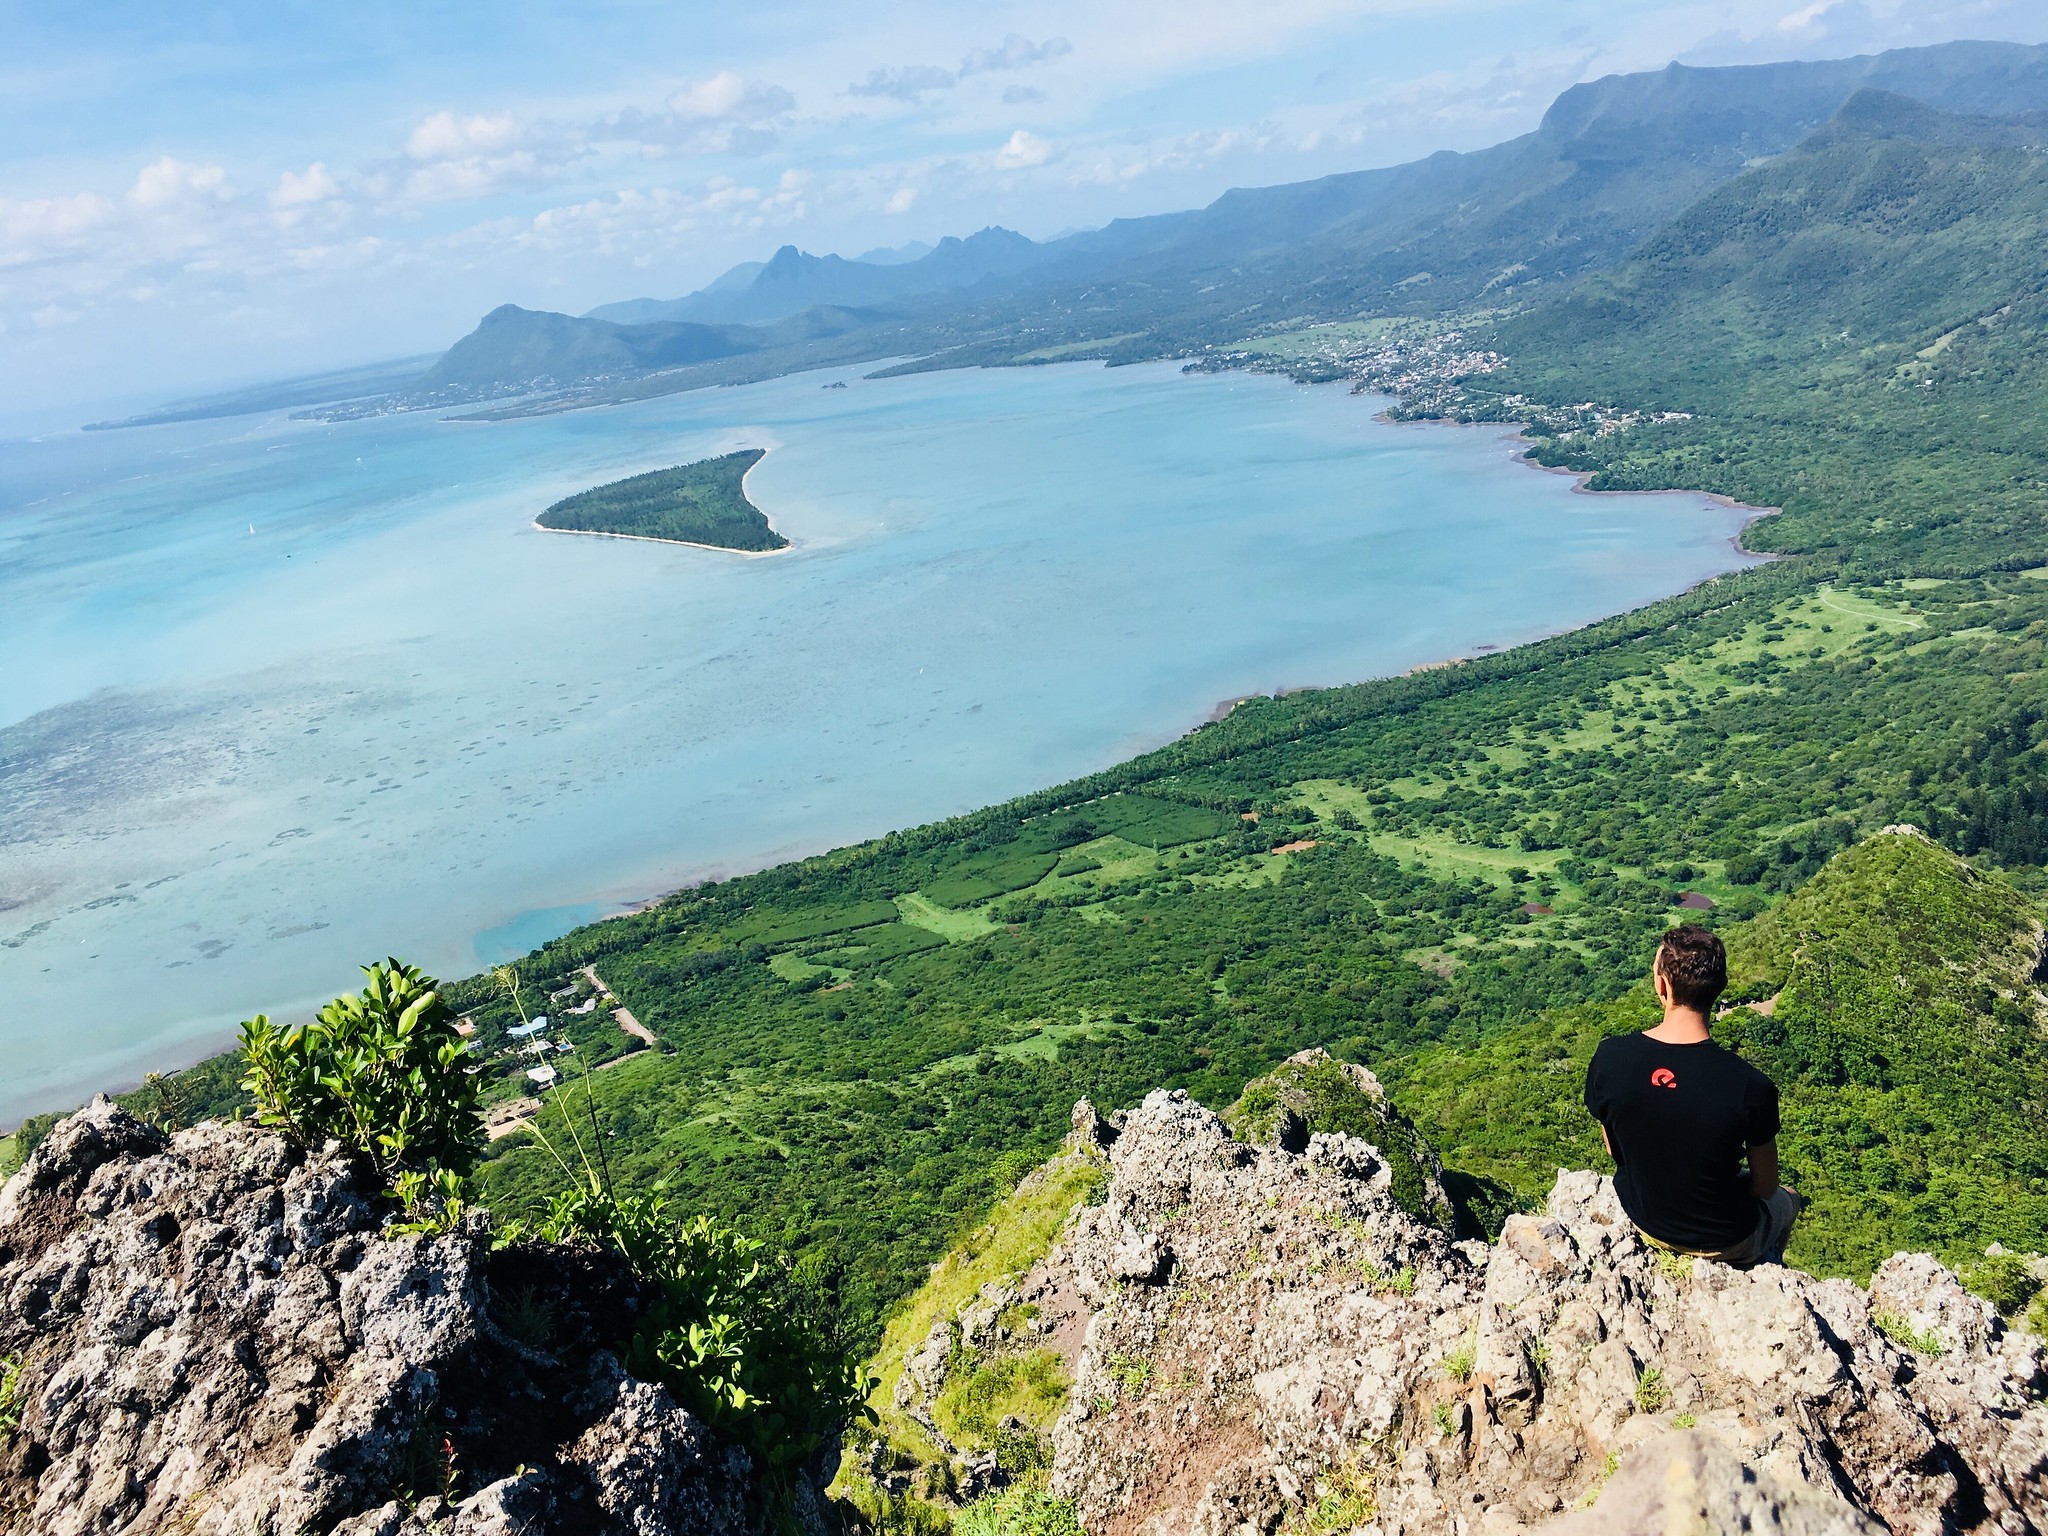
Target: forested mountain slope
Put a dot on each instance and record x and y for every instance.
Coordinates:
(1855, 330)
(1611, 163)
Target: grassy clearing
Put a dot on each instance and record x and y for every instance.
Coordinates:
(1442, 855)
(791, 966)
(878, 946)
(1044, 1042)
(948, 923)
(1019, 1232)
(778, 928)
(1031, 1387)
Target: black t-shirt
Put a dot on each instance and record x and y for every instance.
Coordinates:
(1680, 1118)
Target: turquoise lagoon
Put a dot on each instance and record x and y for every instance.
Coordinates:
(278, 698)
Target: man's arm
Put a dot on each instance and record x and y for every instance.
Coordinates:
(1763, 1168)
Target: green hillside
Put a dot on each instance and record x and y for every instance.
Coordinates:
(701, 503)
(1856, 332)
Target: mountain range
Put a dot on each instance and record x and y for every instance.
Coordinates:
(1612, 162)
(1452, 237)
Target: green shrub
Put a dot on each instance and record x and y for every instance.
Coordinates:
(10, 1394)
(1651, 1393)
(738, 1335)
(2006, 1281)
(981, 1394)
(1899, 1330)
(380, 1072)
(1462, 1360)
(876, 1513)
(1024, 1509)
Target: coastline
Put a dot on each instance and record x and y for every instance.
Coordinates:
(626, 899)
(1517, 435)
(788, 543)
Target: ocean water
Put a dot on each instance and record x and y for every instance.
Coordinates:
(278, 698)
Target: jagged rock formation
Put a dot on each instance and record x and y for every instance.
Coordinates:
(1305, 1345)
(214, 1336)
(1268, 1341)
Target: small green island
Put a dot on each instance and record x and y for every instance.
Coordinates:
(703, 504)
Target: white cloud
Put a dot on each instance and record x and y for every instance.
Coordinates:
(902, 200)
(908, 83)
(1015, 52)
(1021, 95)
(729, 97)
(444, 136)
(167, 182)
(448, 181)
(300, 189)
(37, 229)
(723, 114)
(1024, 149)
(458, 159)
(912, 82)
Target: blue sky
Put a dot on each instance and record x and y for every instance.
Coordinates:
(193, 196)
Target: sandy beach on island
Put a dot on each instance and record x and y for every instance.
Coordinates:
(648, 538)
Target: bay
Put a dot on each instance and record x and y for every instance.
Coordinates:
(279, 698)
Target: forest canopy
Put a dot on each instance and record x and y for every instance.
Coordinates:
(701, 503)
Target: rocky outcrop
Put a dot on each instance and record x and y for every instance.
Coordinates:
(1274, 1342)
(215, 1336)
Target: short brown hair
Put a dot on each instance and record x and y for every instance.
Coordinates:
(1693, 961)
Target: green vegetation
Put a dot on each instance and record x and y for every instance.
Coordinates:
(747, 1341)
(1900, 1331)
(1855, 333)
(10, 1394)
(1018, 1233)
(701, 503)
(1320, 1095)
(2005, 1280)
(1024, 1509)
(981, 1393)
(381, 1073)
(1651, 1392)
(1459, 1363)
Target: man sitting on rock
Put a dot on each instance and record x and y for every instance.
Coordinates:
(1679, 1114)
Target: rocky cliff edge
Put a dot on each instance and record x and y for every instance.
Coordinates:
(212, 1335)
(1261, 1339)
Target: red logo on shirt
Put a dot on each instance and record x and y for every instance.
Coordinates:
(1663, 1077)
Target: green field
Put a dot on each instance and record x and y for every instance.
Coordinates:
(701, 503)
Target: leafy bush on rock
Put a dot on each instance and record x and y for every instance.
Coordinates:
(380, 1072)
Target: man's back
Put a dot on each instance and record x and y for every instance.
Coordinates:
(1680, 1118)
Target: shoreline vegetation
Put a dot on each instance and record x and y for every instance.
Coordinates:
(701, 505)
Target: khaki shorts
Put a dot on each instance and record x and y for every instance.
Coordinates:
(1765, 1245)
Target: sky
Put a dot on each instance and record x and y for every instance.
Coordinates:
(203, 194)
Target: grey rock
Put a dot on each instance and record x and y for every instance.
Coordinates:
(218, 1340)
(1310, 1339)
(1689, 1482)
